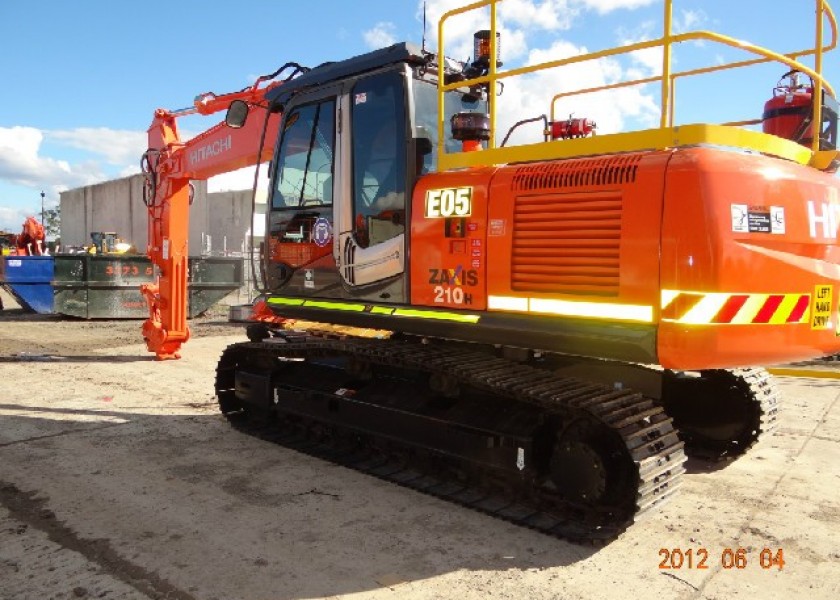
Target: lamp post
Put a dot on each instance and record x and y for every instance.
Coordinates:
(42, 208)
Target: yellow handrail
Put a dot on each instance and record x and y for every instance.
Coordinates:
(668, 79)
(769, 56)
(828, 12)
(667, 40)
(441, 87)
(819, 84)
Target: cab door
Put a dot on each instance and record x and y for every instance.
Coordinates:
(299, 256)
(370, 245)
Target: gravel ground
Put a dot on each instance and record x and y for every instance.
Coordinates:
(119, 480)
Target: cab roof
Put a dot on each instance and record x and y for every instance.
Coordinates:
(334, 71)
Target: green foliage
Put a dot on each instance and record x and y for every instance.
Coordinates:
(52, 222)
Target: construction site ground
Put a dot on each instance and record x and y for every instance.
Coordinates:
(120, 480)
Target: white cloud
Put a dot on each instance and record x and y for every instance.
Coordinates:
(129, 171)
(458, 30)
(689, 20)
(516, 20)
(551, 15)
(531, 95)
(383, 34)
(515, 44)
(21, 163)
(526, 15)
(648, 60)
(11, 219)
(116, 146)
(605, 6)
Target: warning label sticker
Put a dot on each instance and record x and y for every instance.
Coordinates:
(497, 227)
(777, 219)
(821, 307)
(757, 219)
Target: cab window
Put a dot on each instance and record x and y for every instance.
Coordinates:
(426, 112)
(379, 161)
(305, 168)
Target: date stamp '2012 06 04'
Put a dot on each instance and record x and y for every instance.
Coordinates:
(729, 558)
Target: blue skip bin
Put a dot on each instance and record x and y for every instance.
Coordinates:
(108, 286)
(29, 280)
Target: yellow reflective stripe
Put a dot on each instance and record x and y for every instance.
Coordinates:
(334, 305)
(573, 308)
(285, 301)
(785, 308)
(377, 310)
(597, 310)
(442, 316)
(507, 303)
(705, 310)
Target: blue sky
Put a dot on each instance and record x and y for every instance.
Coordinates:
(81, 80)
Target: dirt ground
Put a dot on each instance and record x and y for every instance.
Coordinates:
(119, 480)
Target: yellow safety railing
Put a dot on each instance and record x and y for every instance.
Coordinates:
(667, 135)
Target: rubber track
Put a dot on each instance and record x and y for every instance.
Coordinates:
(645, 429)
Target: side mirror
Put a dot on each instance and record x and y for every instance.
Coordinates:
(237, 114)
(423, 141)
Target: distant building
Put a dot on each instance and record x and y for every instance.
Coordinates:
(219, 221)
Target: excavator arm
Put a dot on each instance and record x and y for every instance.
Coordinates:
(169, 165)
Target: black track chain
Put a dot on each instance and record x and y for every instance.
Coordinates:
(645, 429)
(753, 387)
(757, 387)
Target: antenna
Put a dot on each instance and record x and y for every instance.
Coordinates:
(423, 43)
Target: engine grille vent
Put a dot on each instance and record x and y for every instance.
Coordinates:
(567, 243)
(583, 172)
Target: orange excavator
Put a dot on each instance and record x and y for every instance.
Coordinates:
(30, 240)
(556, 323)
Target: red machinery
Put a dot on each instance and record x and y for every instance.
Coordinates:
(30, 241)
(572, 128)
(787, 113)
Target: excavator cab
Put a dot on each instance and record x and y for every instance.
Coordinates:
(350, 151)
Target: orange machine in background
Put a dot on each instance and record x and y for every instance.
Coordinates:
(31, 241)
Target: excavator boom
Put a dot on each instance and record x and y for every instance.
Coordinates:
(170, 164)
